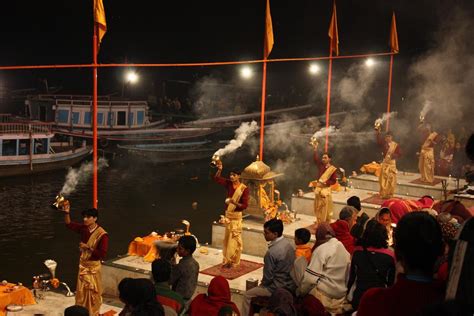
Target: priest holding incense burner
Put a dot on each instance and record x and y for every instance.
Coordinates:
(236, 202)
(93, 245)
(322, 186)
(388, 174)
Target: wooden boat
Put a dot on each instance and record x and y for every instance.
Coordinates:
(160, 153)
(28, 148)
(117, 120)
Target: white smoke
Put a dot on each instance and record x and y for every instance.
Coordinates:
(444, 75)
(241, 134)
(76, 176)
(385, 117)
(353, 88)
(426, 108)
(322, 132)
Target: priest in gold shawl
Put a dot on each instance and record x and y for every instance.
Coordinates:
(93, 245)
(388, 175)
(322, 186)
(236, 202)
(426, 160)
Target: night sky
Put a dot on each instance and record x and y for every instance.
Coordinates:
(55, 32)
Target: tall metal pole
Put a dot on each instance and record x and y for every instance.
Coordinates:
(389, 93)
(328, 101)
(94, 119)
(262, 114)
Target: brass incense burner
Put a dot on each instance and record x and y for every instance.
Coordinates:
(215, 161)
(422, 118)
(378, 124)
(314, 141)
(59, 202)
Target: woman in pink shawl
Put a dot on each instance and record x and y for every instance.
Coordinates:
(218, 296)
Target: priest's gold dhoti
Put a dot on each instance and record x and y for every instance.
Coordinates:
(89, 289)
(233, 246)
(322, 204)
(426, 164)
(388, 179)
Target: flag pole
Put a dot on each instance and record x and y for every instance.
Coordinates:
(94, 117)
(267, 48)
(328, 101)
(262, 114)
(389, 93)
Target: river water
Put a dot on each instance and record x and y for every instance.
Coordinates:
(135, 198)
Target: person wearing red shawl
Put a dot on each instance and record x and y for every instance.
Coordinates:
(399, 207)
(218, 296)
(342, 227)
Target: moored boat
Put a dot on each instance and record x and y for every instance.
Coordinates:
(118, 121)
(160, 153)
(28, 147)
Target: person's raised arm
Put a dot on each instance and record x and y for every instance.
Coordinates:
(217, 177)
(67, 210)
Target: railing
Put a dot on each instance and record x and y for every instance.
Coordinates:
(5, 118)
(100, 103)
(24, 128)
(65, 99)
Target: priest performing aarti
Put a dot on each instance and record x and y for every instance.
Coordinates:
(93, 246)
(236, 202)
(388, 173)
(322, 186)
(426, 162)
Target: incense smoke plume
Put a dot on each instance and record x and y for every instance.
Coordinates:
(426, 108)
(444, 75)
(241, 134)
(385, 117)
(76, 176)
(353, 88)
(212, 96)
(322, 132)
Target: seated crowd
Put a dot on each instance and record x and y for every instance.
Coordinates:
(351, 269)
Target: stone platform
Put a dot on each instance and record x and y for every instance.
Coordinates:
(113, 271)
(366, 185)
(53, 304)
(305, 204)
(252, 233)
(404, 184)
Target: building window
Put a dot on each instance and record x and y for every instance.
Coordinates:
(121, 118)
(140, 117)
(41, 146)
(110, 119)
(75, 118)
(9, 147)
(130, 119)
(24, 148)
(87, 118)
(63, 116)
(100, 118)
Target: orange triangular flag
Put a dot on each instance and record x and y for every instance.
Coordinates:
(333, 32)
(99, 18)
(268, 32)
(394, 36)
